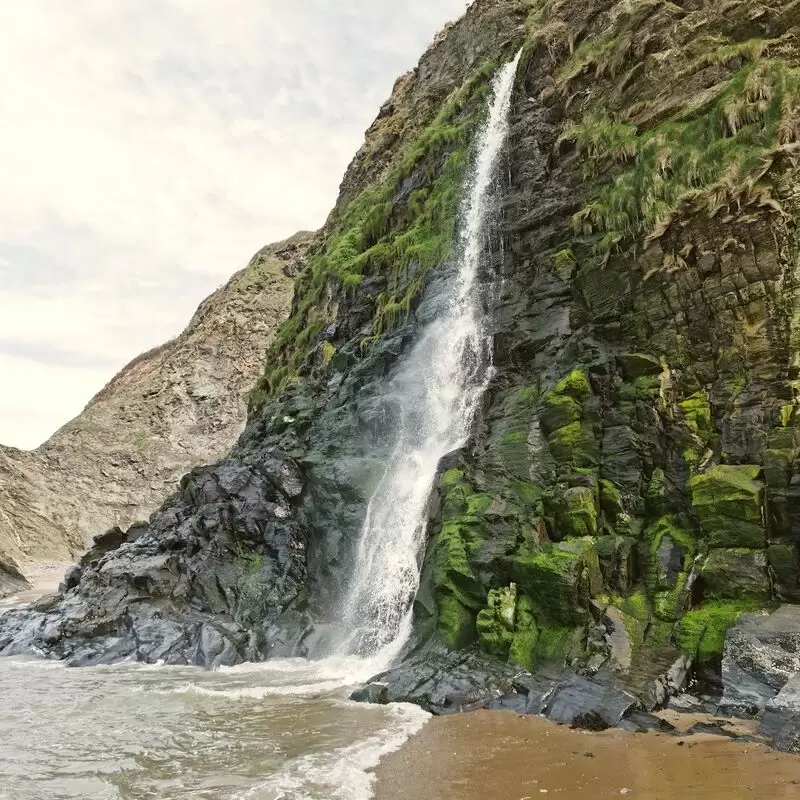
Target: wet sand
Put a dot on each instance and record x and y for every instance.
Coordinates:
(495, 755)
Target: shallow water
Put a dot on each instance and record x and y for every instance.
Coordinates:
(283, 730)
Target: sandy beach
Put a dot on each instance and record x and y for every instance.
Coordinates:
(501, 756)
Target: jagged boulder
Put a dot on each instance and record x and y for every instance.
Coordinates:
(205, 583)
(762, 654)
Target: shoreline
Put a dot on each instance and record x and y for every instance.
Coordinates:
(43, 579)
(499, 755)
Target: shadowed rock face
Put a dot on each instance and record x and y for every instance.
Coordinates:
(172, 408)
(631, 485)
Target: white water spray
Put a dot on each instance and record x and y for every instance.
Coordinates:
(437, 388)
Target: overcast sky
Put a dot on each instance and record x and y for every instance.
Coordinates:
(148, 148)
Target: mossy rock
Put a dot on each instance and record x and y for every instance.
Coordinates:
(670, 604)
(638, 365)
(728, 503)
(701, 632)
(697, 413)
(559, 411)
(670, 549)
(560, 580)
(625, 636)
(562, 405)
(576, 385)
(526, 634)
(784, 564)
(656, 490)
(636, 606)
(453, 571)
(455, 623)
(574, 446)
(577, 516)
(496, 623)
(736, 573)
(557, 645)
(618, 562)
(610, 499)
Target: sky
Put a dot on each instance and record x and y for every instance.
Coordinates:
(149, 148)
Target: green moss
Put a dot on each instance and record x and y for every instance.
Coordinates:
(564, 263)
(462, 532)
(402, 240)
(577, 517)
(452, 477)
(455, 623)
(610, 498)
(565, 443)
(635, 629)
(478, 504)
(656, 490)
(701, 633)
(453, 570)
(669, 604)
(559, 580)
(328, 353)
(576, 384)
(496, 623)
(728, 502)
(718, 156)
(526, 634)
(668, 590)
(557, 645)
(559, 411)
(645, 388)
(636, 606)
(697, 413)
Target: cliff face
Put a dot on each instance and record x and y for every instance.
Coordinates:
(177, 406)
(632, 483)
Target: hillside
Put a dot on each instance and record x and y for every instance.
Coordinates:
(172, 408)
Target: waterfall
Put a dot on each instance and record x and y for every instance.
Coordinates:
(436, 390)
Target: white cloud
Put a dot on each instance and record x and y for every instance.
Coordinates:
(148, 148)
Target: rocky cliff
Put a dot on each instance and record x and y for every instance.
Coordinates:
(172, 408)
(632, 484)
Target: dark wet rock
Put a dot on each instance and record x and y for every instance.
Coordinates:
(658, 690)
(637, 365)
(444, 681)
(714, 728)
(642, 722)
(689, 704)
(781, 720)
(72, 577)
(782, 729)
(762, 653)
(592, 705)
(372, 693)
(202, 584)
(110, 540)
(734, 573)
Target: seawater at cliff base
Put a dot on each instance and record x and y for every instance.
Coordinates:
(497, 755)
(283, 731)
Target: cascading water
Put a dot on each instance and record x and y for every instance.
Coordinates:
(437, 390)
